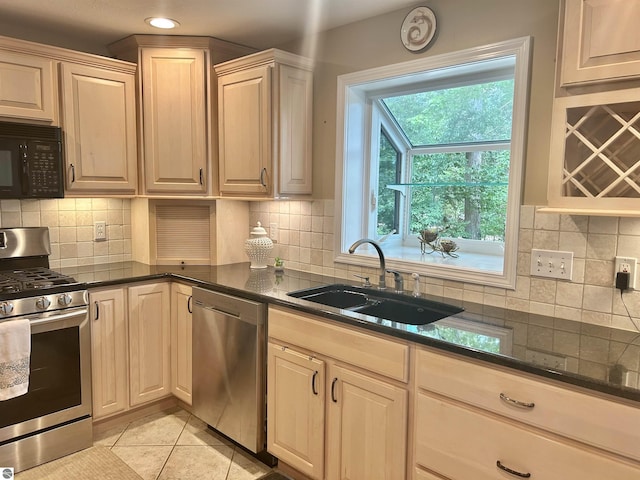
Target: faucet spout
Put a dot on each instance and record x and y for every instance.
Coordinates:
(381, 284)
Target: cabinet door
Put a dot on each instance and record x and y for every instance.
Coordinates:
(600, 42)
(295, 409)
(174, 120)
(109, 352)
(295, 102)
(181, 350)
(149, 342)
(366, 428)
(244, 109)
(27, 87)
(99, 121)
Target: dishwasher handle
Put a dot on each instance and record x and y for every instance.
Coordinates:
(251, 319)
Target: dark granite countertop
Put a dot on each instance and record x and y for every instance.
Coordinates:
(598, 358)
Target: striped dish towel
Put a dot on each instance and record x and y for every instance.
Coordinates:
(15, 354)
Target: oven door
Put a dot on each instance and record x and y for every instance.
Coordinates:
(60, 377)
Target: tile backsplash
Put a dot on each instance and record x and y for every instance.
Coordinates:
(70, 222)
(306, 231)
(306, 237)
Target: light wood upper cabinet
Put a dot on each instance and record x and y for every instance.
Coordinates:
(181, 342)
(99, 118)
(600, 41)
(595, 154)
(109, 366)
(174, 116)
(265, 114)
(149, 342)
(176, 105)
(27, 86)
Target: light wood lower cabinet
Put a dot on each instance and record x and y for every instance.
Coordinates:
(181, 342)
(109, 366)
(365, 429)
(149, 342)
(474, 420)
(129, 346)
(461, 444)
(295, 409)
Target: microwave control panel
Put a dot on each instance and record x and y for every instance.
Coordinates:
(43, 168)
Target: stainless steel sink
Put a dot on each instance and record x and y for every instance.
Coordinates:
(378, 303)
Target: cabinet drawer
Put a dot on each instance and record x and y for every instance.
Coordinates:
(358, 348)
(462, 444)
(606, 424)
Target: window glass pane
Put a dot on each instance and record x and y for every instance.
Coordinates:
(388, 200)
(462, 192)
(473, 113)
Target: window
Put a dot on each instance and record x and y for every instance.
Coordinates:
(434, 164)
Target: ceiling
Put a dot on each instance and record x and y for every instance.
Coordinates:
(90, 25)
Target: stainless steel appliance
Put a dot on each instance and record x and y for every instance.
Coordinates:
(31, 162)
(53, 418)
(229, 366)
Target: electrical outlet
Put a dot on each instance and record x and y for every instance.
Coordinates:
(629, 265)
(100, 231)
(546, 359)
(552, 264)
(273, 231)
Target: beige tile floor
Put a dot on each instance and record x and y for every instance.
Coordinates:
(176, 445)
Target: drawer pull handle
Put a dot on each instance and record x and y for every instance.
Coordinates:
(201, 179)
(313, 383)
(517, 403)
(189, 307)
(97, 310)
(512, 472)
(333, 390)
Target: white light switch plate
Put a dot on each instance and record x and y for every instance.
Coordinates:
(552, 264)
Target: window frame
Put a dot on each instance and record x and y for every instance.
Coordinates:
(357, 137)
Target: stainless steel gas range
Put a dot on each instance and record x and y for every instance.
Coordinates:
(53, 417)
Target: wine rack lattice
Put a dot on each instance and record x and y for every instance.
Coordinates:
(602, 151)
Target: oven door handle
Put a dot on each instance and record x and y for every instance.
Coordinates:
(67, 319)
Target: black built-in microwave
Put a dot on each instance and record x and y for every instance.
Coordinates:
(31, 161)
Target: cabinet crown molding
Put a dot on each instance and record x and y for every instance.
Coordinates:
(266, 57)
(221, 50)
(14, 45)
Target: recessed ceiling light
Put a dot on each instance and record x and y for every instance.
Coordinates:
(160, 22)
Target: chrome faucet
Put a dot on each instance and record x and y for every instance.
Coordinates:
(381, 284)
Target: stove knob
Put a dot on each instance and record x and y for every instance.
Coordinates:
(43, 303)
(64, 300)
(6, 308)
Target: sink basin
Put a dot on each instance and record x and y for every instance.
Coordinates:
(377, 303)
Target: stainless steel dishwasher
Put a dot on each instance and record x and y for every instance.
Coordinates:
(229, 366)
